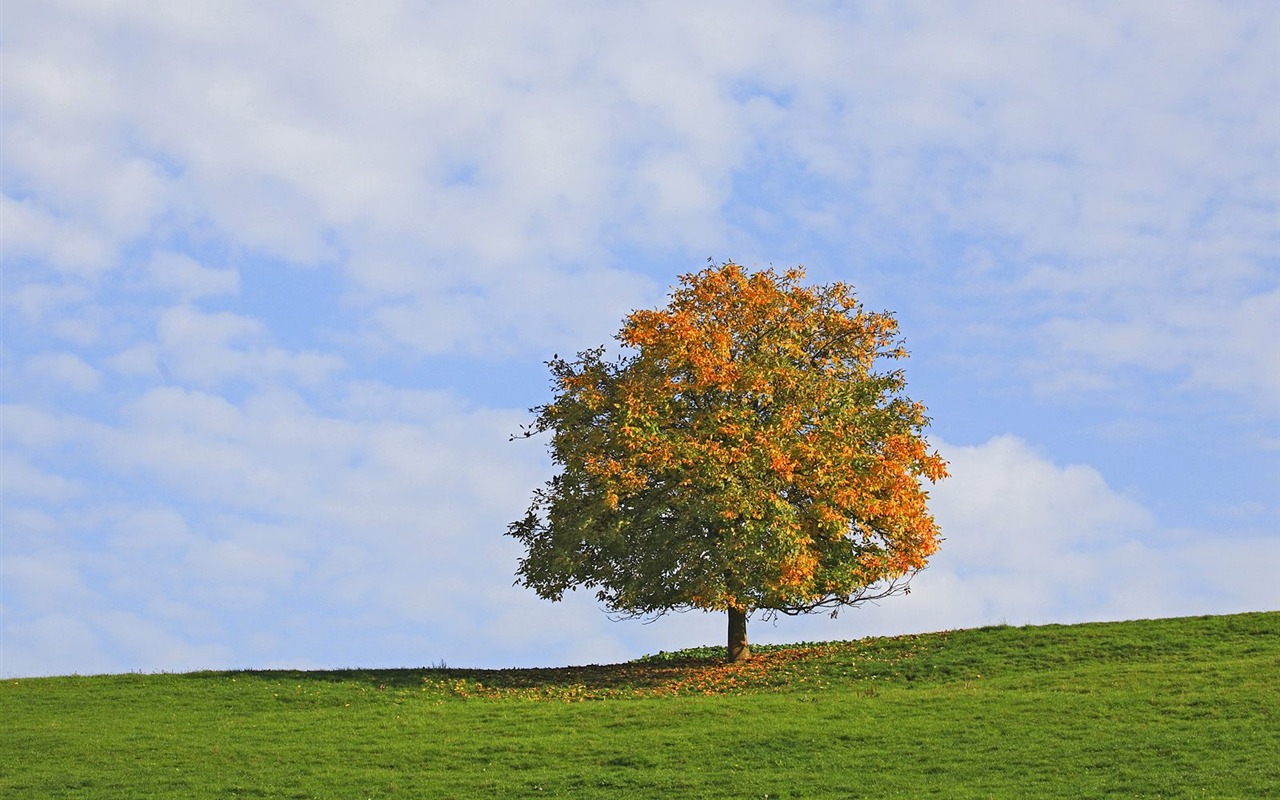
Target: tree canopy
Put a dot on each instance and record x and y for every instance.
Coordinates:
(746, 451)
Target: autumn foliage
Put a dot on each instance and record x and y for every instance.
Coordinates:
(746, 452)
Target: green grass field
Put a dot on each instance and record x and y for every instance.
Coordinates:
(1165, 708)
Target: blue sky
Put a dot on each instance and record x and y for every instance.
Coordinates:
(279, 281)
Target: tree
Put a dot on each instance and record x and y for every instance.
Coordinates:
(742, 454)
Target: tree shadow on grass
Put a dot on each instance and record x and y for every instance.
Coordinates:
(696, 671)
(595, 678)
(915, 659)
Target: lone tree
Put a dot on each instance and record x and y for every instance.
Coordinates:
(744, 454)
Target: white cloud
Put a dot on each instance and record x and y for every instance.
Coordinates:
(1076, 200)
(411, 495)
(1029, 541)
(143, 530)
(389, 521)
(523, 309)
(61, 643)
(558, 149)
(210, 348)
(32, 428)
(1099, 155)
(139, 359)
(66, 370)
(189, 278)
(24, 480)
(1240, 357)
(394, 523)
(91, 642)
(435, 152)
(33, 232)
(1229, 344)
(35, 301)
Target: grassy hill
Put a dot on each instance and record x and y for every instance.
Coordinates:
(1163, 708)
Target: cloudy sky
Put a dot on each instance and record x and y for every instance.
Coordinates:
(279, 281)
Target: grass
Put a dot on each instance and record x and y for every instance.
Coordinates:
(1164, 708)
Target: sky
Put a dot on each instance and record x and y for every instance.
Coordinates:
(280, 281)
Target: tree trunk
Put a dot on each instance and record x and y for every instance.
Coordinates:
(738, 649)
